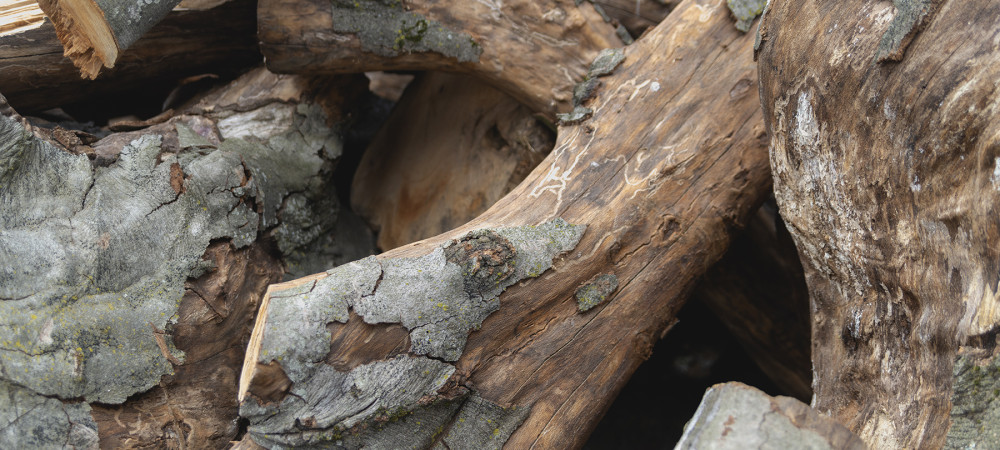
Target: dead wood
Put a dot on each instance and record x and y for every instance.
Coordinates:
(535, 51)
(887, 172)
(658, 198)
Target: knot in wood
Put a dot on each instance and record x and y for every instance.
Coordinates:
(486, 259)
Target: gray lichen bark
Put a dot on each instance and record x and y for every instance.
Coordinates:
(975, 410)
(440, 298)
(94, 259)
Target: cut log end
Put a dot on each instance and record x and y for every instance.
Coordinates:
(87, 39)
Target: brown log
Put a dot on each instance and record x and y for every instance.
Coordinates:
(535, 51)
(220, 40)
(886, 164)
(452, 147)
(659, 198)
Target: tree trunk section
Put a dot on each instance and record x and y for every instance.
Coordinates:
(534, 51)
(887, 171)
(95, 32)
(220, 40)
(419, 344)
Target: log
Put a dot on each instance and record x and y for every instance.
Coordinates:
(505, 43)
(405, 348)
(131, 267)
(886, 169)
(735, 416)
(219, 40)
(452, 147)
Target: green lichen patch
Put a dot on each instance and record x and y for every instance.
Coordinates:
(606, 62)
(386, 29)
(50, 422)
(910, 16)
(482, 424)
(745, 12)
(595, 291)
(584, 91)
(975, 399)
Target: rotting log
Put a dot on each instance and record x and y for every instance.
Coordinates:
(404, 346)
(219, 40)
(536, 51)
(885, 149)
(131, 267)
(452, 147)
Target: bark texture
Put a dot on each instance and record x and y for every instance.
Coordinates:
(534, 51)
(452, 147)
(735, 416)
(221, 40)
(886, 169)
(131, 268)
(95, 32)
(659, 198)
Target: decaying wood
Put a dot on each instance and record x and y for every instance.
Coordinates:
(221, 40)
(533, 50)
(95, 32)
(452, 147)
(888, 176)
(758, 291)
(659, 199)
(734, 416)
(131, 267)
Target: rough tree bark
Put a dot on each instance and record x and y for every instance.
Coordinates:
(886, 158)
(452, 147)
(95, 32)
(131, 267)
(405, 348)
(220, 40)
(488, 39)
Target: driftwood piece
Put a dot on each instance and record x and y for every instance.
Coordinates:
(534, 51)
(888, 176)
(95, 32)
(129, 279)
(735, 416)
(659, 200)
(452, 147)
(758, 291)
(218, 40)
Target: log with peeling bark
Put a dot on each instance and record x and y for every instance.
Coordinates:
(131, 267)
(519, 327)
(452, 147)
(535, 51)
(215, 38)
(886, 164)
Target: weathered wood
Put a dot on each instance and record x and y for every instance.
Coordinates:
(452, 147)
(222, 40)
(736, 416)
(95, 32)
(659, 200)
(758, 291)
(533, 50)
(888, 176)
(129, 278)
